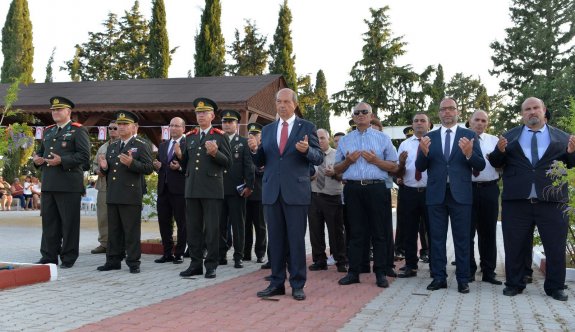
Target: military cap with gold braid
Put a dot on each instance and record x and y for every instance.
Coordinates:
(126, 117)
(352, 124)
(60, 102)
(230, 115)
(408, 132)
(254, 127)
(205, 105)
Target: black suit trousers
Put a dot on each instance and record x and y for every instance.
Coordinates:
(484, 214)
(124, 230)
(255, 223)
(518, 217)
(203, 228)
(412, 202)
(60, 226)
(327, 210)
(172, 207)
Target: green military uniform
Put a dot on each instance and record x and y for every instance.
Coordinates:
(234, 207)
(62, 188)
(204, 191)
(124, 194)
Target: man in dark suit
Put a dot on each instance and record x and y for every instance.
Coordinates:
(238, 185)
(171, 203)
(255, 222)
(287, 149)
(526, 153)
(448, 155)
(63, 152)
(126, 162)
(205, 156)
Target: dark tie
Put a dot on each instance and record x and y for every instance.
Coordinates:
(418, 173)
(534, 149)
(171, 151)
(320, 177)
(474, 171)
(122, 146)
(447, 146)
(202, 136)
(59, 130)
(283, 137)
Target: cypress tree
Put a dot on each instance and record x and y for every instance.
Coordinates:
(321, 108)
(209, 59)
(159, 44)
(49, 71)
(17, 45)
(282, 61)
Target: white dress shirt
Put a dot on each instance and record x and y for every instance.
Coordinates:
(290, 122)
(489, 173)
(411, 145)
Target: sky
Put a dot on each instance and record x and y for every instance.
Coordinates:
(326, 34)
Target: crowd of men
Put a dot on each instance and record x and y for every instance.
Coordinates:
(221, 189)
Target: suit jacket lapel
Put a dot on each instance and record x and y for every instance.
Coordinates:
(554, 143)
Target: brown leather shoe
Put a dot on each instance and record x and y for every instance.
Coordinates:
(99, 250)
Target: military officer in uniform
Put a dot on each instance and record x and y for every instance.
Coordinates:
(204, 157)
(254, 209)
(238, 185)
(64, 151)
(126, 162)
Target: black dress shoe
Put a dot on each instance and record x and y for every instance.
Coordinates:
(437, 284)
(463, 287)
(390, 273)
(66, 265)
(260, 260)
(210, 274)
(403, 268)
(268, 278)
(558, 294)
(407, 273)
(46, 261)
(511, 291)
(187, 254)
(134, 269)
(528, 279)
(318, 266)
(349, 279)
(381, 280)
(491, 280)
(109, 267)
(266, 266)
(341, 268)
(298, 294)
(164, 259)
(223, 261)
(424, 258)
(272, 291)
(178, 260)
(192, 271)
(238, 264)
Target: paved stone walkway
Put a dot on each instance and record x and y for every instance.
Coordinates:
(158, 299)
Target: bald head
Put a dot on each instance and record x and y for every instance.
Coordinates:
(479, 122)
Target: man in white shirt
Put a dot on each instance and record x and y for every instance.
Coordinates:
(485, 209)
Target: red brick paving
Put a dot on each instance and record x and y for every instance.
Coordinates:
(233, 306)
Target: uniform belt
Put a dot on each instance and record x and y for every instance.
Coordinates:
(484, 183)
(533, 200)
(364, 182)
(324, 195)
(418, 189)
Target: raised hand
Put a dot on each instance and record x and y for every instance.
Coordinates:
(353, 157)
(502, 143)
(252, 143)
(102, 162)
(174, 165)
(424, 144)
(369, 156)
(126, 159)
(178, 150)
(38, 160)
(466, 146)
(55, 159)
(302, 146)
(212, 148)
(571, 144)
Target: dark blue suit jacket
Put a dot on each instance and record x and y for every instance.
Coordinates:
(519, 174)
(458, 168)
(175, 179)
(288, 174)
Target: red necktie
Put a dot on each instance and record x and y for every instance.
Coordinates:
(417, 173)
(283, 137)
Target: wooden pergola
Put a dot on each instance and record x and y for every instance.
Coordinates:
(155, 101)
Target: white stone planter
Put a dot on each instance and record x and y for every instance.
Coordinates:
(540, 262)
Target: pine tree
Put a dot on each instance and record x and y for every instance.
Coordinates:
(306, 96)
(132, 45)
(282, 61)
(320, 114)
(437, 90)
(249, 53)
(209, 59)
(17, 46)
(537, 56)
(49, 72)
(159, 44)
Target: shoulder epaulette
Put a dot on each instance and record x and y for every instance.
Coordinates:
(217, 130)
(76, 124)
(50, 126)
(141, 140)
(192, 132)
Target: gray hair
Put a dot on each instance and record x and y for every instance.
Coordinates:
(293, 94)
(366, 104)
(325, 131)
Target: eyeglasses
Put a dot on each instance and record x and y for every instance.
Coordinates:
(448, 108)
(364, 112)
(112, 128)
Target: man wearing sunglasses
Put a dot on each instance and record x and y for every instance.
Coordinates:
(365, 157)
(101, 207)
